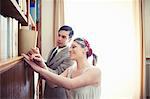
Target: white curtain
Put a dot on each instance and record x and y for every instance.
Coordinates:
(52, 19)
(58, 16)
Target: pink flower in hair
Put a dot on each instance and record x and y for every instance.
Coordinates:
(90, 52)
(86, 43)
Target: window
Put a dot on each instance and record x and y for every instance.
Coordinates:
(109, 25)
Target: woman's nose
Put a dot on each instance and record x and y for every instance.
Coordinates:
(70, 49)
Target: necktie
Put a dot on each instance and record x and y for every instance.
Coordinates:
(53, 54)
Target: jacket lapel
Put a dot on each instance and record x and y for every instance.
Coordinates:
(50, 54)
(58, 56)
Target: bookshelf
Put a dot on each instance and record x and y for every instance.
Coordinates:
(10, 8)
(15, 74)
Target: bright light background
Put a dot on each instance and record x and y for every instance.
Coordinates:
(109, 27)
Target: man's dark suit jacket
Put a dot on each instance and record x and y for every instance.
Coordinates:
(58, 64)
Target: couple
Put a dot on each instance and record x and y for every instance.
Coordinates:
(81, 81)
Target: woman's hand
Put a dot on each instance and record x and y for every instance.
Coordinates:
(35, 58)
(31, 63)
(34, 55)
(38, 59)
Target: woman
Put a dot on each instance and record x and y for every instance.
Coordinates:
(82, 80)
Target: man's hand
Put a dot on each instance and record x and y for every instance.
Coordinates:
(34, 51)
(34, 56)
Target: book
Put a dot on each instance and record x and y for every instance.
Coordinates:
(3, 38)
(1, 24)
(27, 40)
(15, 37)
(10, 38)
(33, 10)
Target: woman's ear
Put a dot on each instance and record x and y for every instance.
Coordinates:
(84, 50)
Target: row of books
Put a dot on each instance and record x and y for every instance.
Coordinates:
(34, 10)
(23, 5)
(8, 37)
(34, 5)
(14, 38)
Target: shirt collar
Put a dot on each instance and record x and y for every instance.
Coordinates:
(59, 49)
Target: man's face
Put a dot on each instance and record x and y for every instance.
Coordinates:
(62, 38)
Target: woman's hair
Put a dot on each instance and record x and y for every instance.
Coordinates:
(84, 43)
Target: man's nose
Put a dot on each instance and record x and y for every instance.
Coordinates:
(59, 38)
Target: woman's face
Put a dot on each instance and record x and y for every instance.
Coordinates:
(76, 51)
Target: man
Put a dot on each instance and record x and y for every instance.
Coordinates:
(57, 61)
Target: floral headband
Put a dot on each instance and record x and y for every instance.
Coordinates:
(89, 52)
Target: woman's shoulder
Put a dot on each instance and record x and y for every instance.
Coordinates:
(92, 73)
(93, 70)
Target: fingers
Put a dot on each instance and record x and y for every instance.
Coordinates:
(30, 53)
(33, 57)
(36, 57)
(26, 60)
(33, 51)
(25, 56)
(36, 50)
(34, 61)
(33, 65)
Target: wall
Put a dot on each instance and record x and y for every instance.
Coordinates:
(147, 87)
(146, 26)
(47, 27)
(147, 46)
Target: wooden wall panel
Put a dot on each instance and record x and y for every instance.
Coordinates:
(17, 82)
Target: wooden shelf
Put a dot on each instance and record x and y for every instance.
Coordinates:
(9, 63)
(10, 8)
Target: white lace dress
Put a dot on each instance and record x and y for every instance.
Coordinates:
(87, 92)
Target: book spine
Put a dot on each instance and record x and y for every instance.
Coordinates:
(15, 38)
(9, 31)
(3, 38)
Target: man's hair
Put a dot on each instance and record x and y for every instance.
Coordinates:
(67, 28)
